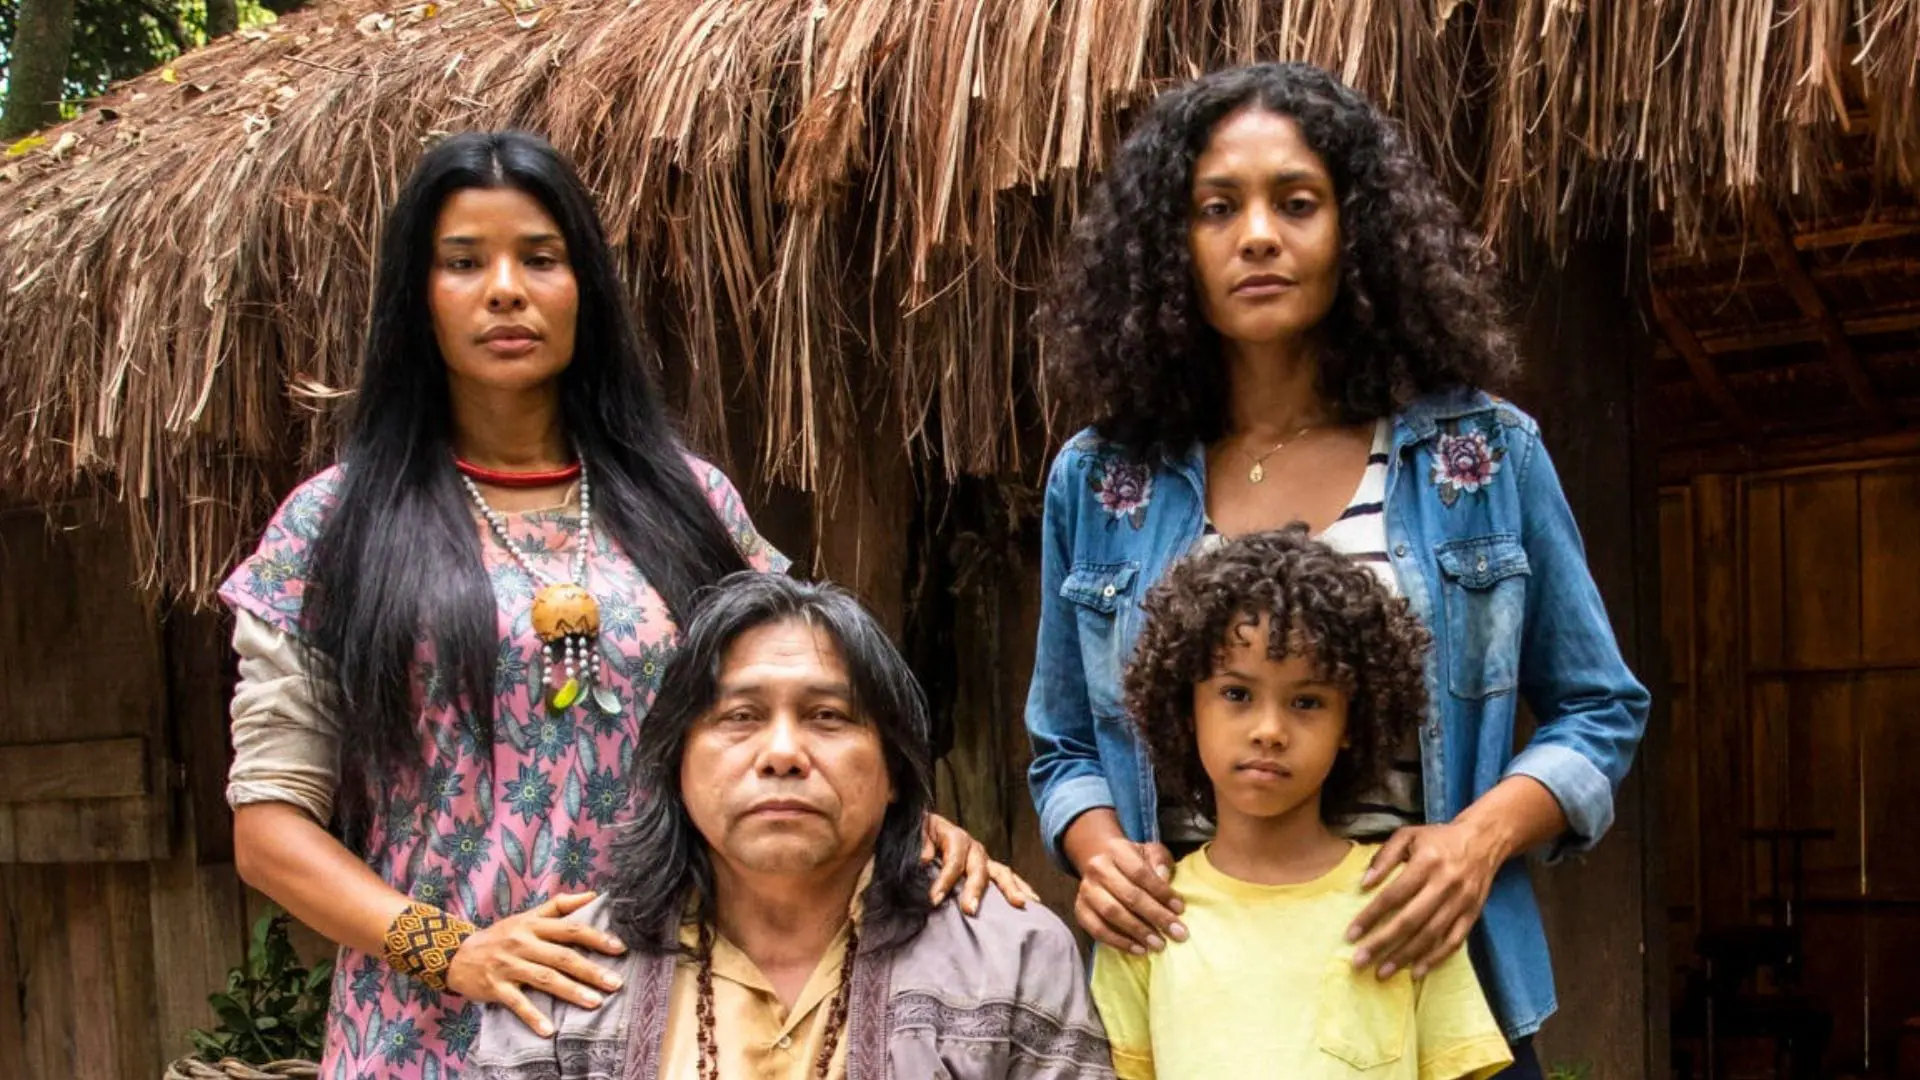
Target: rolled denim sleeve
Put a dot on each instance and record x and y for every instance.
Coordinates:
(1065, 775)
(1591, 709)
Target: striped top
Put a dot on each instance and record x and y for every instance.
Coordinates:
(1360, 533)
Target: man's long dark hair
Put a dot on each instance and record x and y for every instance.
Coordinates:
(398, 559)
(660, 860)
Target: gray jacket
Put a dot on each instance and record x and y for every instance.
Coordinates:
(998, 995)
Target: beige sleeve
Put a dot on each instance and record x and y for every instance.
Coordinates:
(285, 748)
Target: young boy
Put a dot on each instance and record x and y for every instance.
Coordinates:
(1272, 682)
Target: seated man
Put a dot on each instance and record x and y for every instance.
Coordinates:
(770, 889)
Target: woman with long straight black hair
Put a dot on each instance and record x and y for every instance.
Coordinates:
(448, 640)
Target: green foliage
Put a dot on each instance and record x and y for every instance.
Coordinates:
(118, 39)
(1563, 1071)
(273, 1009)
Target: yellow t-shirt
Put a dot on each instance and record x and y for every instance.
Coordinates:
(1264, 986)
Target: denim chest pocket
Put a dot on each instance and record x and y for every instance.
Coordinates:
(1484, 580)
(1102, 595)
(1360, 1020)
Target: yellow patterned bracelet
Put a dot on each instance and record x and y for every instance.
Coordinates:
(422, 940)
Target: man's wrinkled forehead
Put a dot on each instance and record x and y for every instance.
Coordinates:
(791, 657)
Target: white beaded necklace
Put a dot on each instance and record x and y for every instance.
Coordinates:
(566, 617)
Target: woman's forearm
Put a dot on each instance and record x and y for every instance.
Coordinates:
(280, 851)
(1518, 815)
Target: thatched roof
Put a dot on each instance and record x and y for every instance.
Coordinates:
(833, 211)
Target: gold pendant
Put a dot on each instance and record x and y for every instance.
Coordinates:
(1257, 473)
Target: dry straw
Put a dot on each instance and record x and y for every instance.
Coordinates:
(834, 211)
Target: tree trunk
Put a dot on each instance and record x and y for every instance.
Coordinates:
(37, 75)
(223, 18)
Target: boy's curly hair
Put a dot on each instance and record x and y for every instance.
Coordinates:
(1362, 638)
(1419, 308)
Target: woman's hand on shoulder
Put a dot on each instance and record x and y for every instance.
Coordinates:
(536, 949)
(1423, 915)
(964, 863)
(1126, 899)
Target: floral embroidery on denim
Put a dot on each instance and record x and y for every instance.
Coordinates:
(1463, 463)
(1124, 488)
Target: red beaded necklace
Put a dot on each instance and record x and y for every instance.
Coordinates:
(543, 478)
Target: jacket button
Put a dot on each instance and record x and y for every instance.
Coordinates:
(1400, 550)
(1109, 592)
(1481, 565)
(785, 1042)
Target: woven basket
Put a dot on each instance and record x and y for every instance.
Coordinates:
(231, 1069)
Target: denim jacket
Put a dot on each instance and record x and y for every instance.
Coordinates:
(1485, 550)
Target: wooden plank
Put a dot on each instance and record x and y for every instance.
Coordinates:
(1890, 743)
(97, 769)
(105, 682)
(1757, 337)
(1773, 236)
(1681, 337)
(1889, 584)
(1824, 780)
(1720, 701)
(1766, 611)
(128, 888)
(92, 830)
(90, 971)
(1821, 520)
(1671, 258)
(13, 998)
(1596, 908)
(1769, 762)
(1835, 974)
(1892, 948)
(199, 931)
(38, 894)
(1676, 585)
(200, 679)
(1683, 818)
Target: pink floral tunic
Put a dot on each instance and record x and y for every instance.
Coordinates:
(487, 831)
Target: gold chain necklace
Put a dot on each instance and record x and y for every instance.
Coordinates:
(1259, 470)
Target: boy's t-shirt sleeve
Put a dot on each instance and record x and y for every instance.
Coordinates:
(1120, 993)
(1458, 1036)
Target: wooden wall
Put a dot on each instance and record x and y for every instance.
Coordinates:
(116, 921)
(1584, 352)
(1794, 647)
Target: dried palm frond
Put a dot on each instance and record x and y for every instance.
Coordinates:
(837, 211)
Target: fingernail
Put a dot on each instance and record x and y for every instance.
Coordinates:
(1360, 958)
(594, 1000)
(1178, 905)
(1386, 971)
(614, 982)
(972, 908)
(614, 944)
(1136, 950)
(1155, 942)
(1165, 874)
(1177, 931)
(545, 1029)
(1420, 972)
(1353, 934)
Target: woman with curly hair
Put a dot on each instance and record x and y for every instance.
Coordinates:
(1272, 684)
(1272, 314)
